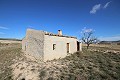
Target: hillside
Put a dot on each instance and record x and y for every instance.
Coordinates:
(109, 42)
(12, 39)
(9, 40)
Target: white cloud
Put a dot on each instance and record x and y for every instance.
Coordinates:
(107, 4)
(1, 27)
(95, 8)
(110, 38)
(2, 33)
(98, 7)
(86, 30)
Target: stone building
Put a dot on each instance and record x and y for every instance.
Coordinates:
(43, 46)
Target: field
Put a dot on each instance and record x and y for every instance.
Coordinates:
(100, 62)
(104, 47)
(8, 52)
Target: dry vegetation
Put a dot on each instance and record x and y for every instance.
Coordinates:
(90, 64)
(8, 52)
(104, 47)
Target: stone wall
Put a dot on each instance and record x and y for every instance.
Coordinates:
(60, 47)
(23, 44)
(33, 44)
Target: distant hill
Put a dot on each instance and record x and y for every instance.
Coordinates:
(12, 39)
(109, 42)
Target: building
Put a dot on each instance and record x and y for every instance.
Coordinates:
(44, 46)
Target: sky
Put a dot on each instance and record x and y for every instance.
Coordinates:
(70, 16)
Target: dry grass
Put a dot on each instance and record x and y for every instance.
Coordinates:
(94, 65)
(86, 65)
(104, 46)
(8, 52)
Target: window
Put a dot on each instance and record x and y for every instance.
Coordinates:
(54, 46)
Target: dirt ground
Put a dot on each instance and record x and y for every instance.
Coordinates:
(8, 52)
(103, 47)
(90, 64)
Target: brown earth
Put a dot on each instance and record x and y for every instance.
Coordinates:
(90, 64)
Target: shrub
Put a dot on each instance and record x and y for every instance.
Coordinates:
(50, 78)
(42, 74)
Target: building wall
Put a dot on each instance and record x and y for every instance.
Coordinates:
(33, 44)
(60, 48)
(23, 44)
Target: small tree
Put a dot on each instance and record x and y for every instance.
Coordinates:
(88, 37)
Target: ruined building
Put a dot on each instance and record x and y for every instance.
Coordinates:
(43, 46)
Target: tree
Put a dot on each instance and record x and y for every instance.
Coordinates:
(88, 37)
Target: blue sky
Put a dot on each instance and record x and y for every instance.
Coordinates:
(71, 16)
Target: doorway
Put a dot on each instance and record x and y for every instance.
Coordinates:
(67, 47)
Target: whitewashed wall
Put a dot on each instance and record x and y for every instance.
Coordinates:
(61, 47)
(40, 46)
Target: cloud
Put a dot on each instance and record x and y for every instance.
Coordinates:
(98, 7)
(2, 33)
(107, 4)
(110, 38)
(1, 27)
(95, 8)
(84, 30)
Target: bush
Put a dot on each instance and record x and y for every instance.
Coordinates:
(50, 78)
(42, 74)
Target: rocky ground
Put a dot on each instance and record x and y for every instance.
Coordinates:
(87, 65)
(8, 52)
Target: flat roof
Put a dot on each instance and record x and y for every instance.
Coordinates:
(50, 34)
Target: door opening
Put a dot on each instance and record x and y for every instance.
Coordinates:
(78, 46)
(67, 47)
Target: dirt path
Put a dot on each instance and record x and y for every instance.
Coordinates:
(24, 70)
(29, 70)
